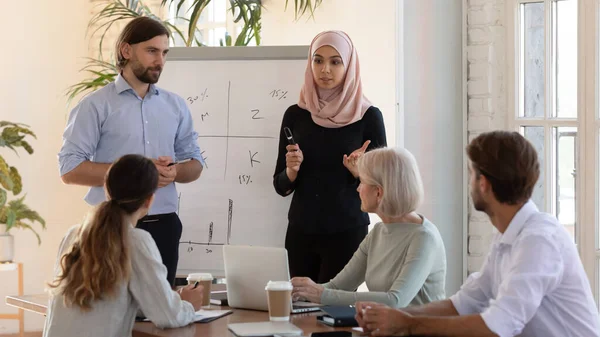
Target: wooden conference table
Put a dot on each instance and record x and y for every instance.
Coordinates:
(217, 328)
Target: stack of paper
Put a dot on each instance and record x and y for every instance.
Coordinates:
(259, 329)
(205, 316)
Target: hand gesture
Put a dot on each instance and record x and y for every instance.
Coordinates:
(192, 295)
(306, 289)
(293, 157)
(166, 174)
(360, 310)
(381, 320)
(351, 161)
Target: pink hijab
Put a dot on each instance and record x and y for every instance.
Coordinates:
(343, 105)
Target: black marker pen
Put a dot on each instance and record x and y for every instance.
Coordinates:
(179, 162)
(289, 136)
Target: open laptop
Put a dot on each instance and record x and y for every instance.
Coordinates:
(247, 271)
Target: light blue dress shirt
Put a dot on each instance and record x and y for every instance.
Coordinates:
(114, 121)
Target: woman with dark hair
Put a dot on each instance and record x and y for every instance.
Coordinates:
(107, 269)
(333, 124)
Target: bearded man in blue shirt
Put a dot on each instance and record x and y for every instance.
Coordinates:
(133, 116)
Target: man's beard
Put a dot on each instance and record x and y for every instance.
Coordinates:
(147, 75)
(478, 203)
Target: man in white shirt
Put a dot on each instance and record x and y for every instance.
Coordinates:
(533, 282)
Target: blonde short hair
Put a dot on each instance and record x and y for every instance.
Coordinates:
(396, 171)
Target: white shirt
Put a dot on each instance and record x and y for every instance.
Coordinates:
(147, 289)
(532, 283)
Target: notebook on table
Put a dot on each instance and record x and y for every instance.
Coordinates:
(338, 315)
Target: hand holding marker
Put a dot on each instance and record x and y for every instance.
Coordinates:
(179, 162)
(293, 157)
(289, 136)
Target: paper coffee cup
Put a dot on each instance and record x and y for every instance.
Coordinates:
(279, 297)
(205, 280)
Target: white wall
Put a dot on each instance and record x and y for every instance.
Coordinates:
(43, 43)
(433, 117)
(372, 28)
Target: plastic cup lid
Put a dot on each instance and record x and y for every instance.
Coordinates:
(279, 285)
(200, 277)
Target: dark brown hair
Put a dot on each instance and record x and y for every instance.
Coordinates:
(138, 30)
(508, 161)
(99, 257)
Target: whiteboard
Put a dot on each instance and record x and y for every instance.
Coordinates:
(237, 97)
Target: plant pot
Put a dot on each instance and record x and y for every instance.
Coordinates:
(7, 245)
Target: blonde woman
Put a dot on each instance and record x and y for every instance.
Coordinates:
(107, 269)
(402, 259)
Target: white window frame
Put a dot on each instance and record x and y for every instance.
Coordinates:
(586, 180)
(589, 82)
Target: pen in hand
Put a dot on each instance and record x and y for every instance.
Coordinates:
(178, 162)
(289, 136)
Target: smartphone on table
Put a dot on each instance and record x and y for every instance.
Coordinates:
(332, 334)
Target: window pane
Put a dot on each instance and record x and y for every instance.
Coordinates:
(204, 15)
(201, 35)
(531, 78)
(220, 36)
(565, 57)
(181, 20)
(185, 12)
(535, 134)
(220, 10)
(565, 166)
(178, 41)
(211, 38)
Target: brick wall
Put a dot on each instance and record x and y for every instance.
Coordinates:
(486, 90)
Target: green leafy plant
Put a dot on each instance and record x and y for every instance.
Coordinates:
(115, 11)
(102, 71)
(14, 213)
(250, 13)
(100, 74)
(302, 6)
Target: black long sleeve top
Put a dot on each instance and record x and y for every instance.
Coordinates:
(325, 198)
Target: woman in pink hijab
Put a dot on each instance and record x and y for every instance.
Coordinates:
(332, 125)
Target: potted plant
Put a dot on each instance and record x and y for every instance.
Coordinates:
(14, 213)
